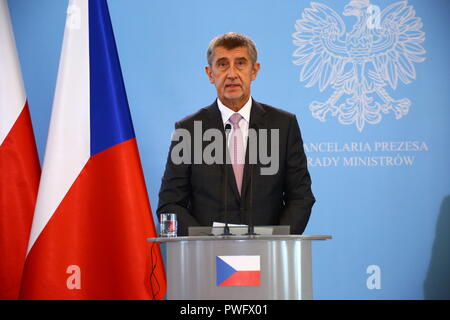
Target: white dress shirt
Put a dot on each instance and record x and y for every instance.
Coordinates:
(243, 124)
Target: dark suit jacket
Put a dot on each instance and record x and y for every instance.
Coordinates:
(195, 192)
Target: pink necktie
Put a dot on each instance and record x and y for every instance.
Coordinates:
(237, 150)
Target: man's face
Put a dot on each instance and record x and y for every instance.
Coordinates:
(232, 72)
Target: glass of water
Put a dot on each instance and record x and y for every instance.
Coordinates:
(168, 225)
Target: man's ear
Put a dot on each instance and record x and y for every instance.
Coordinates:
(209, 73)
(255, 70)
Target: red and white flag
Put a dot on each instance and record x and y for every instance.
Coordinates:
(93, 216)
(19, 164)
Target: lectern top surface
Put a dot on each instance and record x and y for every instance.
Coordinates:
(242, 237)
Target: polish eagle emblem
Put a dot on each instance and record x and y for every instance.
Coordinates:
(381, 48)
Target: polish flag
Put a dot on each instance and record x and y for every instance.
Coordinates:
(93, 216)
(19, 164)
(238, 271)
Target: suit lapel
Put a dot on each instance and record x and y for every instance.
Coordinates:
(257, 121)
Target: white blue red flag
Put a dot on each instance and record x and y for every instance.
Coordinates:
(19, 164)
(238, 270)
(93, 216)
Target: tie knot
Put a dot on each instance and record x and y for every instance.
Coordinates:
(235, 118)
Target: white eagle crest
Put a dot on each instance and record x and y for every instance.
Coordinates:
(378, 51)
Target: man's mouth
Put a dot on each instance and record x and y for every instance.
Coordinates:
(232, 86)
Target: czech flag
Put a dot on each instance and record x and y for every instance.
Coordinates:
(238, 271)
(19, 164)
(92, 217)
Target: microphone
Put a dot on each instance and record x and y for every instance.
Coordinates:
(251, 227)
(226, 228)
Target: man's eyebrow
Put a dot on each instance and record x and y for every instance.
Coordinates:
(222, 59)
(225, 59)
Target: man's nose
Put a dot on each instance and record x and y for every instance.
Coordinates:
(232, 74)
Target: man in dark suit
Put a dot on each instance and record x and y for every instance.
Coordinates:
(196, 191)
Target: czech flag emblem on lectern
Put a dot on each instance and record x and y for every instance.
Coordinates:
(238, 271)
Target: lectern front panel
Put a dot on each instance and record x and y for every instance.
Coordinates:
(239, 269)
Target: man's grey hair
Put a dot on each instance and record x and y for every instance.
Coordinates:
(230, 41)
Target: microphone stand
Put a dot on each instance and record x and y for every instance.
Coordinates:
(251, 227)
(226, 228)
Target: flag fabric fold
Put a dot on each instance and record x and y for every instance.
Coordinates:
(93, 216)
(19, 164)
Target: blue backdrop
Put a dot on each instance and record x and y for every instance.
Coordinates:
(382, 188)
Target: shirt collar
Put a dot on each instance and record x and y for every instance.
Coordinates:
(227, 112)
